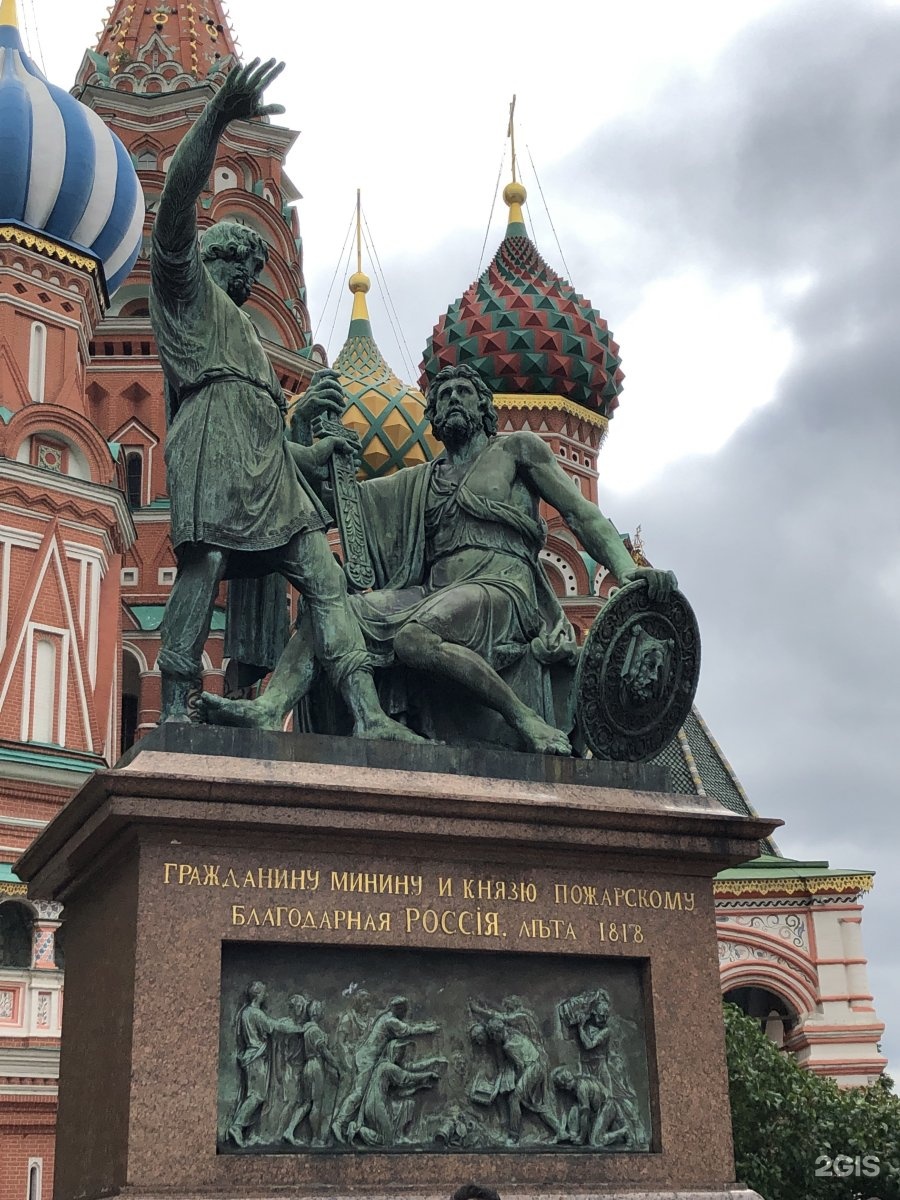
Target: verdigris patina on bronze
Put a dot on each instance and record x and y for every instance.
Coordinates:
(604, 1105)
(454, 1063)
(637, 673)
(241, 504)
(472, 642)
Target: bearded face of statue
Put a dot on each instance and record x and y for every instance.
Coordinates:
(236, 275)
(457, 412)
(235, 257)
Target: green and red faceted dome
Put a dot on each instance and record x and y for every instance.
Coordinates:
(526, 330)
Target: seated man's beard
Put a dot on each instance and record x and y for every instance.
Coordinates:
(457, 428)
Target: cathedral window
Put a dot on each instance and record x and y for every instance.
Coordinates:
(134, 478)
(35, 1171)
(131, 691)
(139, 307)
(37, 362)
(44, 691)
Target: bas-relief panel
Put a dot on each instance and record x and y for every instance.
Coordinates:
(338, 1048)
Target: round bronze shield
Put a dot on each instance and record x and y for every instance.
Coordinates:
(637, 674)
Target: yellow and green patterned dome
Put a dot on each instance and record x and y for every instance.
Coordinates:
(387, 414)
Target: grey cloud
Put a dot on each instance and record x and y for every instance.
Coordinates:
(785, 160)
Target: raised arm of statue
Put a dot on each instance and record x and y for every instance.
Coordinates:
(597, 534)
(239, 98)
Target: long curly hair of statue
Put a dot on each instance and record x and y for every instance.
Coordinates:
(231, 240)
(486, 406)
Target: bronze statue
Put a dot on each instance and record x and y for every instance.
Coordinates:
(241, 506)
(461, 594)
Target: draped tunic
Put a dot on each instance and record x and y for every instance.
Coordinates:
(429, 531)
(232, 480)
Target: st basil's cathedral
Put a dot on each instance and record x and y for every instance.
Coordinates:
(85, 559)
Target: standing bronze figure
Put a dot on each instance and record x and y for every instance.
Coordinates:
(241, 507)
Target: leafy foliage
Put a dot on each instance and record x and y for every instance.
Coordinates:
(789, 1122)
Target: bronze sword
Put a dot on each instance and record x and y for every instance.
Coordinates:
(348, 510)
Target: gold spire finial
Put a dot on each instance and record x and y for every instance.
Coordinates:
(359, 283)
(8, 14)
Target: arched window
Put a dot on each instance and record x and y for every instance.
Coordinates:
(35, 1172)
(776, 1016)
(131, 690)
(140, 307)
(37, 362)
(146, 160)
(16, 924)
(134, 478)
(44, 697)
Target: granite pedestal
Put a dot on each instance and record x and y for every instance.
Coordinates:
(209, 858)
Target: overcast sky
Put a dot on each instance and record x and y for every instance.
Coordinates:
(724, 180)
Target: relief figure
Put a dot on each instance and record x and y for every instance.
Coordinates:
(589, 1016)
(318, 1059)
(387, 1110)
(254, 1028)
(389, 1027)
(522, 1083)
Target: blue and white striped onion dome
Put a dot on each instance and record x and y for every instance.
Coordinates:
(62, 172)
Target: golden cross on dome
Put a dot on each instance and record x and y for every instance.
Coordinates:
(358, 231)
(511, 134)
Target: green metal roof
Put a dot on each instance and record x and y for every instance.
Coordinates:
(773, 866)
(7, 874)
(50, 756)
(697, 767)
(149, 616)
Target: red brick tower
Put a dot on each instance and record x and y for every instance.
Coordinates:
(153, 70)
(85, 561)
(70, 217)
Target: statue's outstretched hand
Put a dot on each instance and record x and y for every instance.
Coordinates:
(660, 584)
(240, 96)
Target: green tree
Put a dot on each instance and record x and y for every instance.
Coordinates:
(798, 1136)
